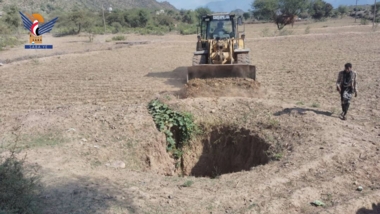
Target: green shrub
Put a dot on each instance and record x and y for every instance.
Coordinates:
(64, 32)
(363, 21)
(188, 183)
(315, 105)
(307, 30)
(9, 41)
(300, 103)
(179, 128)
(150, 30)
(116, 27)
(18, 190)
(96, 30)
(187, 29)
(118, 38)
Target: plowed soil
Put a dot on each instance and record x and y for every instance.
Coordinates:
(80, 114)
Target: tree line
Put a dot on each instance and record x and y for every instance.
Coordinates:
(138, 20)
(315, 9)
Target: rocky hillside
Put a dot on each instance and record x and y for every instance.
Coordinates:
(48, 5)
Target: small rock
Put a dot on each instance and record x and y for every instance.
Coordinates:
(84, 139)
(116, 164)
(1, 64)
(321, 148)
(216, 84)
(355, 183)
(212, 111)
(71, 130)
(360, 188)
(170, 197)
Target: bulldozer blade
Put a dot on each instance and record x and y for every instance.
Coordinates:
(221, 71)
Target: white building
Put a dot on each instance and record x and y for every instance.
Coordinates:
(160, 12)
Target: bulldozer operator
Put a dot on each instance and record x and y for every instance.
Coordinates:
(220, 28)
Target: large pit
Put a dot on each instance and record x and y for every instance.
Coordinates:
(225, 150)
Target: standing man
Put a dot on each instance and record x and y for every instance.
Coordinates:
(346, 85)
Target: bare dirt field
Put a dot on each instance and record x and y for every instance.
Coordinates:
(80, 114)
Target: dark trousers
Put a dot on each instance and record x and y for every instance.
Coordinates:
(345, 100)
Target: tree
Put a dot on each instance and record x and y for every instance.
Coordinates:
(81, 19)
(377, 7)
(137, 17)
(115, 16)
(143, 17)
(116, 27)
(202, 11)
(269, 9)
(292, 7)
(335, 14)
(189, 17)
(164, 20)
(320, 9)
(77, 20)
(264, 9)
(342, 10)
(246, 15)
(170, 12)
(12, 17)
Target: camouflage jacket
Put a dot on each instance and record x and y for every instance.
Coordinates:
(354, 83)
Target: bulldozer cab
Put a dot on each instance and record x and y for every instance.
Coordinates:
(220, 26)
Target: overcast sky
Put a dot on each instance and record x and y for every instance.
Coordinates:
(192, 4)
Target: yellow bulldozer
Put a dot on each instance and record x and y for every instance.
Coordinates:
(220, 49)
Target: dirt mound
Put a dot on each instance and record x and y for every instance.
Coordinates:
(219, 87)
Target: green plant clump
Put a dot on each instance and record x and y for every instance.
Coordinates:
(178, 127)
(18, 190)
(118, 38)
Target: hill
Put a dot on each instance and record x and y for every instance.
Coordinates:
(228, 6)
(238, 12)
(49, 5)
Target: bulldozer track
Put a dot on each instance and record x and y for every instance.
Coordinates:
(243, 58)
(199, 59)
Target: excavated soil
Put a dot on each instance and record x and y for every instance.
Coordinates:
(222, 87)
